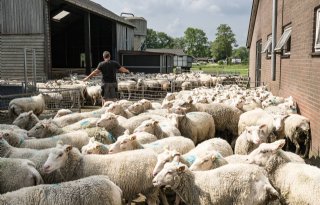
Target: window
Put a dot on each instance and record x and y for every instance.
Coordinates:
(285, 41)
(267, 47)
(317, 37)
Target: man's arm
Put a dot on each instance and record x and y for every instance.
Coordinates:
(94, 73)
(123, 70)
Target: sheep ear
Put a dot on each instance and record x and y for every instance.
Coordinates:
(213, 158)
(181, 168)
(281, 143)
(59, 143)
(155, 122)
(263, 127)
(68, 148)
(126, 132)
(30, 113)
(133, 137)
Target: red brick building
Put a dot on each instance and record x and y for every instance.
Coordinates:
(297, 54)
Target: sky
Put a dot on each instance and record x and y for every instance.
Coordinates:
(174, 16)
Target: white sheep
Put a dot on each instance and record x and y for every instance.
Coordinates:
(94, 93)
(298, 183)
(229, 184)
(26, 120)
(117, 109)
(82, 124)
(197, 126)
(209, 160)
(26, 104)
(160, 129)
(128, 86)
(215, 144)
(94, 147)
(130, 142)
(98, 190)
(250, 139)
(131, 171)
(17, 173)
(62, 112)
(297, 130)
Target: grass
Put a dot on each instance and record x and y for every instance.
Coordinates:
(241, 69)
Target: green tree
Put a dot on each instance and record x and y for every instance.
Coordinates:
(179, 43)
(152, 39)
(196, 42)
(164, 41)
(242, 53)
(221, 47)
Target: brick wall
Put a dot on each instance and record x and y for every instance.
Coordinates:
(299, 75)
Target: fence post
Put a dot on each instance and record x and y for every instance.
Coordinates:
(25, 70)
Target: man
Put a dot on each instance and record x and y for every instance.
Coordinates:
(108, 68)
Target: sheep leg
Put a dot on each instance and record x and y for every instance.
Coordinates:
(177, 200)
(307, 145)
(296, 143)
(163, 198)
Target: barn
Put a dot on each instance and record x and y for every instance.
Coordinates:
(59, 36)
(284, 42)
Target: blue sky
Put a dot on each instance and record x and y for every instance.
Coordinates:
(175, 16)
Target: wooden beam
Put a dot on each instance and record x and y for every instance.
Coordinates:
(87, 41)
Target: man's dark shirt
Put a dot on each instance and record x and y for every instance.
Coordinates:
(109, 70)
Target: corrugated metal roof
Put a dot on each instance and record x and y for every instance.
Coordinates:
(254, 10)
(178, 52)
(98, 9)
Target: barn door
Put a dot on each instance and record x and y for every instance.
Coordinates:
(258, 63)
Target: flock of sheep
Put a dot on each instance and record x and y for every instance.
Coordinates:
(219, 145)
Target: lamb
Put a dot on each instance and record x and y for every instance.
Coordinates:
(131, 171)
(20, 105)
(147, 105)
(128, 85)
(229, 184)
(94, 147)
(62, 112)
(210, 160)
(136, 108)
(250, 139)
(82, 124)
(297, 130)
(77, 139)
(126, 143)
(186, 85)
(116, 128)
(215, 144)
(13, 128)
(26, 120)
(159, 129)
(94, 93)
(98, 190)
(225, 117)
(117, 109)
(298, 183)
(197, 126)
(16, 174)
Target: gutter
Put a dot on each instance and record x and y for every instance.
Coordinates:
(274, 39)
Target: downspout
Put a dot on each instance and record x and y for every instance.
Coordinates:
(274, 39)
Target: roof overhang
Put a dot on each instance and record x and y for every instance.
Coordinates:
(254, 10)
(99, 10)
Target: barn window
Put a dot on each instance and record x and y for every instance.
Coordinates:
(317, 37)
(267, 47)
(285, 41)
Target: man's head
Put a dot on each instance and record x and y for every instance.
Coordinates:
(106, 55)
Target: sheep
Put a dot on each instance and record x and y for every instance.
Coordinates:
(94, 93)
(26, 120)
(272, 100)
(131, 171)
(215, 144)
(297, 130)
(82, 124)
(136, 108)
(298, 183)
(225, 117)
(197, 126)
(44, 129)
(77, 139)
(229, 184)
(159, 129)
(210, 160)
(113, 124)
(117, 109)
(250, 139)
(94, 147)
(13, 128)
(62, 112)
(186, 85)
(20, 105)
(128, 85)
(147, 105)
(17, 173)
(98, 190)
(126, 143)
